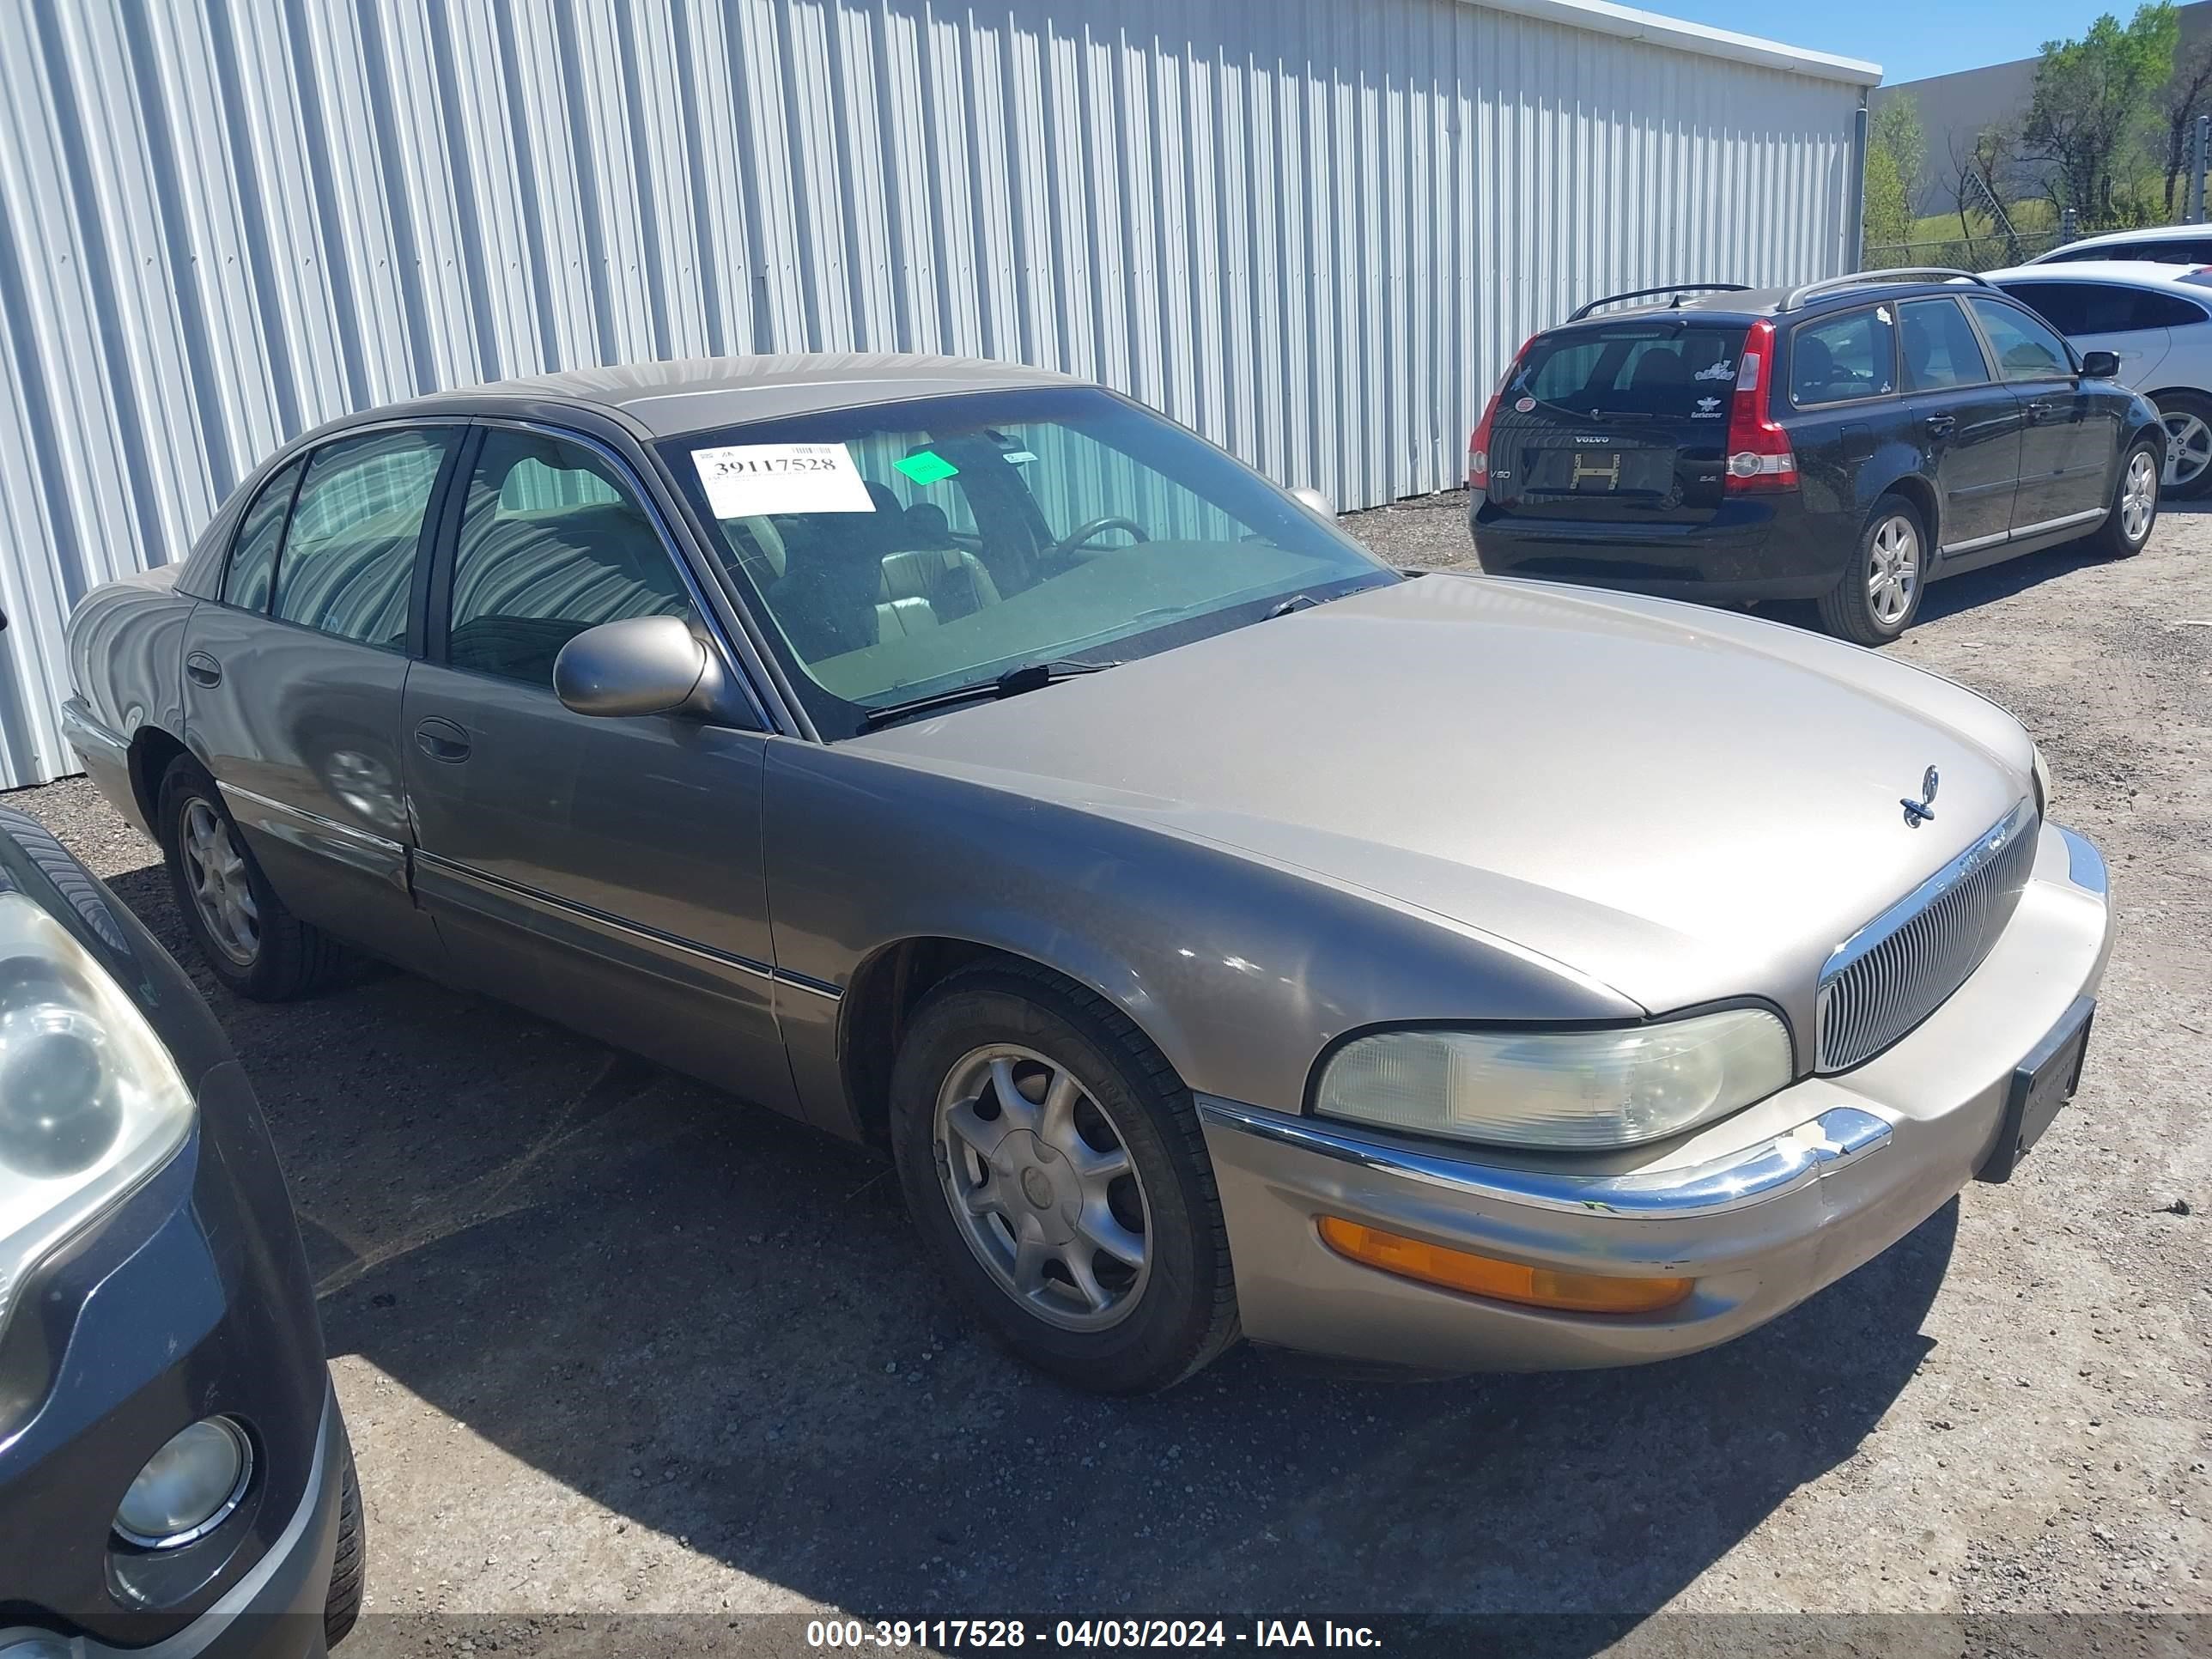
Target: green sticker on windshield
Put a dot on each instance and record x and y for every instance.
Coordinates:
(927, 467)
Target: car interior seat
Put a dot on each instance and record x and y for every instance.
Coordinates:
(929, 566)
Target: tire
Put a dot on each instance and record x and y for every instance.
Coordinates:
(2187, 467)
(243, 933)
(1086, 1314)
(2127, 528)
(1879, 593)
(349, 1564)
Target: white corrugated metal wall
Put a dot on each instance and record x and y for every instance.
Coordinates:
(1310, 228)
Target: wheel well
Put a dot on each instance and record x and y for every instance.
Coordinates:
(879, 998)
(1918, 490)
(153, 751)
(2189, 391)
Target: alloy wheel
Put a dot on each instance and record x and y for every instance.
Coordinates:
(214, 871)
(1893, 570)
(2139, 497)
(2188, 449)
(1042, 1188)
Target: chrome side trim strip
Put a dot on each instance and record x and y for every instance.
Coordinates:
(2021, 532)
(1977, 544)
(589, 917)
(381, 844)
(820, 988)
(1811, 1151)
(2084, 864)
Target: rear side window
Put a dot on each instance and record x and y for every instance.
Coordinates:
(253, 554)
(2103, 307)
(1841, 359)
(1940, 346)
(1634, 369)
(349, 560)
(552, 541)
(2026, 349)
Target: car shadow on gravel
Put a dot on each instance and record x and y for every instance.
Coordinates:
(715, 1325)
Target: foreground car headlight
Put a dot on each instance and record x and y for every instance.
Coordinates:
(90, 1101)
(1571, 1091)
(2044, 787)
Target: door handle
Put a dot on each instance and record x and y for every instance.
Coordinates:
(203, 669)
(2039, 411)
(442, 740)
(1942, 425)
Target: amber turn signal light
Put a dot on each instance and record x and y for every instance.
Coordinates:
(1502, 1281)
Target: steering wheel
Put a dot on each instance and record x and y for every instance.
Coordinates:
(1082, 534)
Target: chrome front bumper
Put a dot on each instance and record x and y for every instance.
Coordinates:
(1761, 1210)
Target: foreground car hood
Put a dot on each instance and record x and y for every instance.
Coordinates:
(1681, 804)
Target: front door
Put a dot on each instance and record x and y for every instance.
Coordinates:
(605, 871)
(294, 680)
(2066, 449)
(1970, 421)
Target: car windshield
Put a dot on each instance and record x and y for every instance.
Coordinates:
(905, 549)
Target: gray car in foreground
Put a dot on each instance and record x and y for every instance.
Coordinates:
(1223, 931)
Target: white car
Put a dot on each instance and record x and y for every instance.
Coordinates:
(2157, 318)
(2164, 245)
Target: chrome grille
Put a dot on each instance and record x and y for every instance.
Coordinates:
(1901, 967)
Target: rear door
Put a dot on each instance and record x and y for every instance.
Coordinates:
(2067, 449)
(1617, 423)
(293, 679)
(1970, 421)
(605, 871)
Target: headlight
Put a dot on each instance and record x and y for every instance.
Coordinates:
(89, 1099)
(1573, 1091)
(2044, 787)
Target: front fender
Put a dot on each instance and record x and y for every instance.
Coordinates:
(1239, 969)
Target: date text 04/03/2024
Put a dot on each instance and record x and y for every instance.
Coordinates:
(963, 1634)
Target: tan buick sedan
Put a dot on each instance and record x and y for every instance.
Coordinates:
(1223, 931)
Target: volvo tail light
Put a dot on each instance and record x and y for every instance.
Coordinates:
(1759, 457)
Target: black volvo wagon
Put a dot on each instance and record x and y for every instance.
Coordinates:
(174, 1471)
(1847, 442)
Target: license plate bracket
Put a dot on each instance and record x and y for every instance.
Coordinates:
(2041, 1086)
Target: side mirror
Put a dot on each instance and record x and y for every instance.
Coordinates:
(2100, 365)
(1314, 502)
(645, 666)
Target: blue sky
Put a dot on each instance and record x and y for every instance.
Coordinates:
(1909, 39)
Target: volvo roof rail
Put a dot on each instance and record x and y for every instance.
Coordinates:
(1675, 288)
(1805, 291)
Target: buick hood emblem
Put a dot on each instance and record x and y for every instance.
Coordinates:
(1917, 812)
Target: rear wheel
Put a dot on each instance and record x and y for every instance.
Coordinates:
(2135, 506)
(1053, 1162)
(254, 944)
(1880, 593)
(2188, 461)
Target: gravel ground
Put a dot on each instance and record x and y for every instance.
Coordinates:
(610, 1344)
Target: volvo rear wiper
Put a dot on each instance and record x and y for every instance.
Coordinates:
(1012, 684)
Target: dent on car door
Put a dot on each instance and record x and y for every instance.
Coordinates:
(606, 871)
(293, 680)
(2066, 446)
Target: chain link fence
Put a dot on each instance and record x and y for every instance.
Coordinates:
(1984, 252)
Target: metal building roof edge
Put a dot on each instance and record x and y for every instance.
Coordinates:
(1602, 18)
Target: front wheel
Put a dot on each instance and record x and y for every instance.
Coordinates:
(1053, 1162)
(1879, 594)
(2187, 464)
(2135, 506)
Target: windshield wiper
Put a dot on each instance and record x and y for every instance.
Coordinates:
(1012, 684)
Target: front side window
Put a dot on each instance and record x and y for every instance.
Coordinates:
(1842, 359)
(2026, 349)
(1940, 346)
(349, 557)
(907, 549)
(553, 541)
(245, 579)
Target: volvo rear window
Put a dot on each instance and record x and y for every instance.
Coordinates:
(1652, 370)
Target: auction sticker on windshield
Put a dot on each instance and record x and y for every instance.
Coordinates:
(745, 480)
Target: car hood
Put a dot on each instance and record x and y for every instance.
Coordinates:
(1681, 804)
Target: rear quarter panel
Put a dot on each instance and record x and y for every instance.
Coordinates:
(126, 645)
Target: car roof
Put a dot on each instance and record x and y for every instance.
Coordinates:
(2135, 272)
(1748, 304)
(2121, 238)
(699, 393)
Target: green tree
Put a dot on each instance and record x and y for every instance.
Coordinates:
(1896, 154)
(2094, 108)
